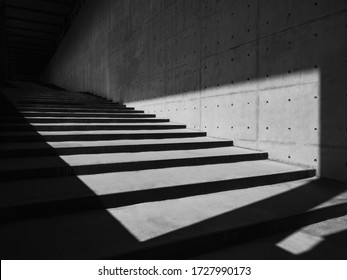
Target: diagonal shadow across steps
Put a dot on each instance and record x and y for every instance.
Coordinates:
(96, 135)
(18, 150)
(155, 167)
(56, 196)
(177, 228)
(28, 168)
(233, 217)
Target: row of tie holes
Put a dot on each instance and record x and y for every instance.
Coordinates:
(232, 104)
(289, 100)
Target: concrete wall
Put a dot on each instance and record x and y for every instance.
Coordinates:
(269, 74)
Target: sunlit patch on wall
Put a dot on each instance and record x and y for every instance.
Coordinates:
(275, 113)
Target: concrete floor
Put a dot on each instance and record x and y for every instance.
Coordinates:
(325, 240)
(123, 229)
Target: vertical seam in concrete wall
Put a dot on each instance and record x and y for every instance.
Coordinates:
(200, 67)
(166, 75)
(257, 76)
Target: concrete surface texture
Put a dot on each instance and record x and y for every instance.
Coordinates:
(320, 240)
(166, 193)
(268, 74)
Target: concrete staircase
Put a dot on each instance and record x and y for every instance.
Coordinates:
(82, 177)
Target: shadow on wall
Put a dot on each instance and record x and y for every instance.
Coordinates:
(268, 74)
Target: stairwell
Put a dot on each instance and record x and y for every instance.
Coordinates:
(82, 177)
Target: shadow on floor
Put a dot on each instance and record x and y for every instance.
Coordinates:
(86, 233)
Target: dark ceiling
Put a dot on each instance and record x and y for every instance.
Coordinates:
(33, 29)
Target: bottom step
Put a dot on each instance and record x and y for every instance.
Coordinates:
(177, 228)
(325, 240)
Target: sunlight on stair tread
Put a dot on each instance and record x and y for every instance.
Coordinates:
(153, 219)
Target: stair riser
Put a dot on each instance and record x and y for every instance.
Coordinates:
(80, 204)
(112, 149)
(96, 137)
(67, 170)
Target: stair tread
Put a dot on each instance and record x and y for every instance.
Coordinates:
(87, 114)
(72, 118)
(103, 234)
(38, 125)
(261, 202)
(83, 109)
(75, 113)
(128, 142)
(52, 120)
(28, 191)
(107, 158)
(43, 133)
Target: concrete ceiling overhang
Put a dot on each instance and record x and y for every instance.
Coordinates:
(33, 29)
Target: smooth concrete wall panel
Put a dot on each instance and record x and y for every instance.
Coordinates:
(268, 74)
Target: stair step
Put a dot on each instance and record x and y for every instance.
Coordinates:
(60, 98)
(177, 228)
(28, 168)
(88, 192)
(89, 126)
(81, 109)
(197, 233)
(75, 106)
(51, 120)
(96, 135)
(13, 150)
(75, 114)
